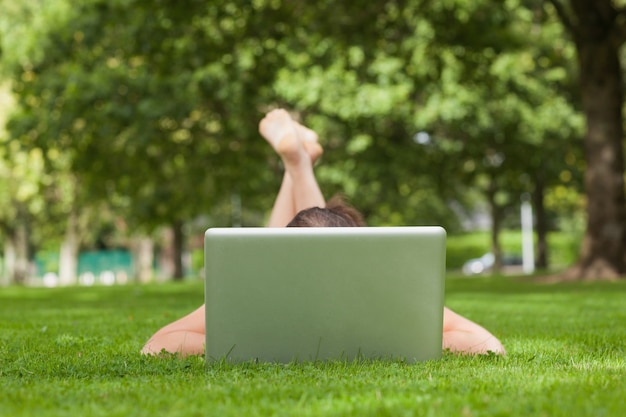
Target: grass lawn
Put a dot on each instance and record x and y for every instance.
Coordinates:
(74, 352)
(563, 247)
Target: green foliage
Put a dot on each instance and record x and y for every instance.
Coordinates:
(152, 108)
(74, 351)
(496, 109)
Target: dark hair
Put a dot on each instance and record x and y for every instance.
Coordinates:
(337, 213)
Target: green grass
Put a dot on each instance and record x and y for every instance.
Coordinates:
(74, 351)
(562, 247)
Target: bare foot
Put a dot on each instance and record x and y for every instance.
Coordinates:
(280, 131)
(275, 126)
(309, 141)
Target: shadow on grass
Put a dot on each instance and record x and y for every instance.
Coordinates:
(158, 296)
(527, 285)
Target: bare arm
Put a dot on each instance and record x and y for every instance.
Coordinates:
(185, 336)
(461, 335)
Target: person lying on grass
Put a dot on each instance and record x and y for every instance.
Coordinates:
(300, 203)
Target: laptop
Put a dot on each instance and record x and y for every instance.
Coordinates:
(331, 293)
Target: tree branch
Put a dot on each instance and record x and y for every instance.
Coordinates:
(620, 26)
(5, 227)
(564, 16)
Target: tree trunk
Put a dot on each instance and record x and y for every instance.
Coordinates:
(8, 271)
(496, 220)
(17, 255)
(179, 247)
(541, 226)
(604, 244)
(171, 254)
(143, 254)
(68, 256)
(166, 254)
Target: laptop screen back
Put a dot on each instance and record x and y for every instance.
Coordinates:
(306, 294)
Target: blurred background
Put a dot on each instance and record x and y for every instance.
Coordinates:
(129, 127)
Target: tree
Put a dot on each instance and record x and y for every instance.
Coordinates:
(598, 30)
(39, 199)
(481, 81)
(155, 105)
(21, 205)
(148, 100)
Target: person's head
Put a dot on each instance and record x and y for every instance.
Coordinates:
(336, 214)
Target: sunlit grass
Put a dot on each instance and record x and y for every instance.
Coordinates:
(74, 351)
(562, 247)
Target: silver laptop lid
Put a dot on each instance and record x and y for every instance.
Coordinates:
(305, 294)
